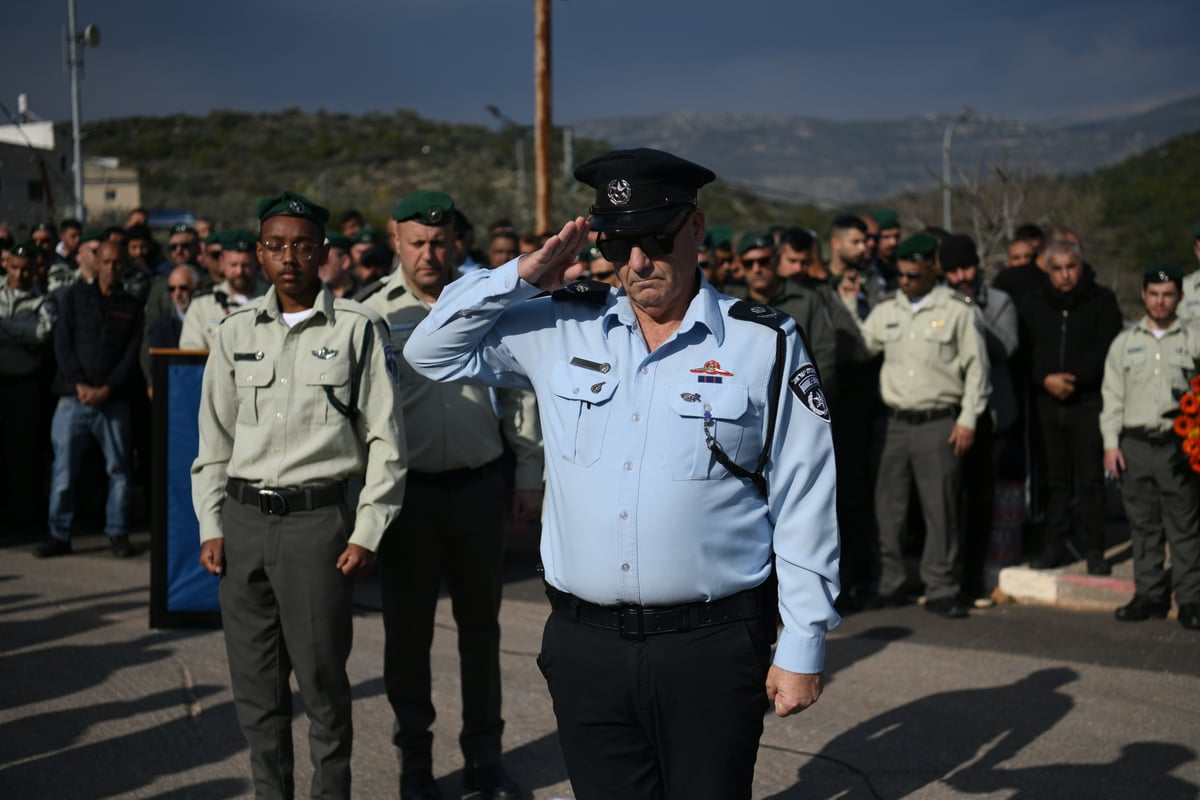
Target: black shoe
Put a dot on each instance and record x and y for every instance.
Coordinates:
(1097, 564)
(1050, 558)
(1141, 608)
(419, 785)
(490, 782)
(948, 607)
(120, 546)
(53, 547)
(1189, 616)
(895, 599)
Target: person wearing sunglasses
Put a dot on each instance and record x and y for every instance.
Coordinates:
(934, 382)
(598, 267)
(687, 450)
(241, 284)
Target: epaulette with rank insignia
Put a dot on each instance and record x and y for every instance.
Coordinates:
(370, 289)
(203, 293)
(964, 298)
(758, 312)
(594, 292)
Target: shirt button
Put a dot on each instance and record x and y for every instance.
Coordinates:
(624, 568)
(624, 515)
(279, 415)
(249, 378)
(575, 390)
(636, 417)
(645, 371)
(911, 373)
(1157, 356)
(628, 466)
(274, 449)
(283, 381)
(322, 376)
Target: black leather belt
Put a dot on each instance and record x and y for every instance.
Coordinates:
(1149, 436)
(451, 477)
(638, 622)
(917, 417)
(280, 501)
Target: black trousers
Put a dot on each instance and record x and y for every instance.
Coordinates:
(23, 440)
(668, 717)
(979, 499)
(1074, 469)
(451, 527)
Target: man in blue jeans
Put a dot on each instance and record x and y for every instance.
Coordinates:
(96, 345)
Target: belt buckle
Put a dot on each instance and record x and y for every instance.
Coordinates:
(636, 630)
(271, 502)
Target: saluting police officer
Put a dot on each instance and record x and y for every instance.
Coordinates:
(239, 265)
(934, 382)
(687, 446)
(452, 523)
(298, 397)
(1147, 369)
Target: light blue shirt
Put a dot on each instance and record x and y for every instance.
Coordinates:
(637, 508)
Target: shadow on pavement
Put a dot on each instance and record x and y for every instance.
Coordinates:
(843, 652)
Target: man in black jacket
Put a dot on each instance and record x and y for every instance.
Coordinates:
(1069, 325)
(96, 346)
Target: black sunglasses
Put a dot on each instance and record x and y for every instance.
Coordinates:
(910, 276)
(751, 263)
(654, 245)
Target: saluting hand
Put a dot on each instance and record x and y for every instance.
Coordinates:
(355, 559)
(792, 692)
(554, 266)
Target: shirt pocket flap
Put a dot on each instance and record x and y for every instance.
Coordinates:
(941, 333)
(579, 383)
(722, 400)
(254, 373)
(320, 372)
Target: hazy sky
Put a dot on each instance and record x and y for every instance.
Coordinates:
(446, 59)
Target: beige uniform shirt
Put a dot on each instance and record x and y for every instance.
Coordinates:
(933, 357)
(454, 425)
(1144, 377)
(206, 312)
(265, 416)
(1189, 307)
(26, 323)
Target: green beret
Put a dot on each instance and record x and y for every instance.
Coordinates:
(92, 235)
(42, 226)
(1196, 230)
(238, 240)
(722, 236)
(1163, 273)
(182, 227)
(337, 240)
(886, 217)
(366, 235)
(427, 208)
(216, 237)
(753, 240)
(290, 204)
(589, 253)
(918, 247)
(28, 249)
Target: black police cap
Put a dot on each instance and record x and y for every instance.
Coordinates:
(640, 190)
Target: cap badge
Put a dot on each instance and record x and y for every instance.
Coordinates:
(711, 372)
(433, 214)
(619, 192)
(297, 207)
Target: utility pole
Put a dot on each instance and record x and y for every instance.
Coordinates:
(542, 133)
(90, 37)
(961, 117)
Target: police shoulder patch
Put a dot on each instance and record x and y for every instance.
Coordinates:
(594, 292)
(806, 385)
(761, 313)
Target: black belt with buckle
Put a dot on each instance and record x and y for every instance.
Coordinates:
(918, 417)
(638, 622)
(279, 501)
(1149, 436)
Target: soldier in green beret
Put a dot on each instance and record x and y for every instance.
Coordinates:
(934, 382)
(337, 271)
(241, 284)
(1189, 305)
(298, 398)
(599, 268)
(451, 526)
(882, 266)
(1147, 368)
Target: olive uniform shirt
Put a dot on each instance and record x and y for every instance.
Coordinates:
(266, 416)
(933, 357)
(26, 323)
(207, 310)
(454, 425)
(1189, 305)
(1144, 377)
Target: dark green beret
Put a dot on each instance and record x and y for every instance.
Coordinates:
(1163, 273)
(722, 236)
(427, 208)
(92, 235)
(290, 204)
(886, 217)
(1196, 230)
(366, 235)
(918, 247)
(753, 240)
(42, 226)
(589, 253)
(238, 240)
(337, 240)
(216, 237)
(28, 249)
(182, 227)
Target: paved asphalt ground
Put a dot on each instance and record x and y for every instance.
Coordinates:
(1016, 702)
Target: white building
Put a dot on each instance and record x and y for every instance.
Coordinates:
(35, 175)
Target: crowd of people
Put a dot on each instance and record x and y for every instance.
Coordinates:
(942, 388)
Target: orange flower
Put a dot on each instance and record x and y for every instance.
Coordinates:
(1184, 424)
(1190, 445)
(1196, 385)
(1189, 404)
(1194, 462)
